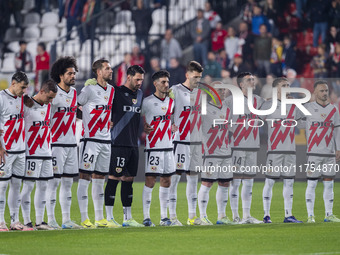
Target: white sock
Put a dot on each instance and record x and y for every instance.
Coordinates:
(173, 195)
(109, 212)
(65, 197)
(52, 186)
(328, 197)
(287, 192)
(191, 192)
(25, 194)
(98, 198)
(40, 201)
(3, 190)
(83, 200)
(310, 196)
(267, 195)
(203, 200)
(234, 196)
(164, 201)
(127, 213)
(221, 201)
(14, 199)
(147, 194)
(246, 196)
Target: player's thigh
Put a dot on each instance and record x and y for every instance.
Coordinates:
(209, 172)
(318, 166)
(6, 169)
(182, 157)
(273, 165)
(169, 163)
(195, 157)
(154, 162)
(226, 172)
(33, 168)
(88, 158)
(46, 172)
(124, 161)
(238, 161)
(289, 166)
(132, 163)
(71, 168)
(59, 155)
(18, 167)
(102, 163)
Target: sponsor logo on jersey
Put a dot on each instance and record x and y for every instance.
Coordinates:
(87, 165)
(128, 108)
(134, 101)
(119, 169)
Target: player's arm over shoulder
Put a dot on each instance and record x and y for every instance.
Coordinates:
(84, 95)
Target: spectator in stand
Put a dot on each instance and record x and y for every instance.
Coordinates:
(276, 57)
(121, 72)
(177, 72)
(23, 59)
(155, 66)
(15, 7)
(217, 37)
(211, 15)
(200, 32)
(42, 63)
(90, 9)
(262, 51)
(270, 11)
(247, 45)
(332, 37)
(38, 5)
(170, 48)
(143, 22)
(231, 45)
(258, 20)
(319, 13)
(300, 6)
(334, 14)
(294, 82)
(247, 11)
(267, 89)
(212, 68)
(222, 58)
(334, 62)
(238, 66)
(73, 14)
(137, 58)
(319, 62)
(289, 55)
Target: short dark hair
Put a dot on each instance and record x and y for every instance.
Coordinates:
(132, 70)
(60, 67)
(160, 74)
(48, 86)
(240, 77)
(279, 80)
(98, 64)
(22, 42)
(319, 82)
(42, 45)
(19, 77)
(194, 66)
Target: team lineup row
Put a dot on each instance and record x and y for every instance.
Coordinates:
(38, 146)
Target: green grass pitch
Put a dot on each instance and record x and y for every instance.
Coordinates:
(275, 238)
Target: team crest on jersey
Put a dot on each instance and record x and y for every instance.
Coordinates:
(29, 172)
(18, 107)
(222, 117)
(164, 108)
(153, 168)
(42, 113)
(179, 165)
(134, 101)
(106, 98)
(119, 169)
(323, 115)
(68, 100)
(55, 168)
(2, 173)
(87, 165)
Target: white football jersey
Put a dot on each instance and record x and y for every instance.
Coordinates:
(63, 122)
(187, 114)
(97, 105)
(216, 138)
(38, 130)
(12, 121)
(281, 128)
(157, 113)
(245, 136)
(322, 129)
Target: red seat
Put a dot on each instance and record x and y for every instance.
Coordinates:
(294, 23)
(309, 38)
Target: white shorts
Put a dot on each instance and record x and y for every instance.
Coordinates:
(65, 161)
(95, 158)
(159, 163)
(187, 157)
(245, 162)
(217, 169)
(318, 166)
(38, 169)
(14, 166)
(280, 165)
